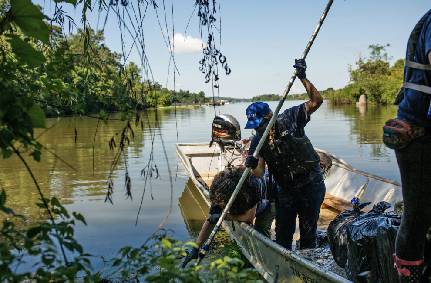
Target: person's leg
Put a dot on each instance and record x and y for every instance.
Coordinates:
(415, 168)
(309, 211)
(263, 221)
(285, 220)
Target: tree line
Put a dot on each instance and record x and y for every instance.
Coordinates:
(374, 76)
(81, 75)
(276, 97)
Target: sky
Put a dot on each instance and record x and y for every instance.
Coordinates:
(261, 39)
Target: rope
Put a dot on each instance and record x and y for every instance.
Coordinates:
(244, 176)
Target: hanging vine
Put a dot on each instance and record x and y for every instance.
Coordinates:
(213, 58)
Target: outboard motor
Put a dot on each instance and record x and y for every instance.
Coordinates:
(225, 130)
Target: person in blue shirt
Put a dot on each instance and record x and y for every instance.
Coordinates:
(414, 160)
(292, 162)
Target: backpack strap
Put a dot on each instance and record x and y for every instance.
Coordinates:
(422, 88)
(414, 38)
(415, 65)
(411, 64)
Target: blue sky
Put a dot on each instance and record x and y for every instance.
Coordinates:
(261, 39)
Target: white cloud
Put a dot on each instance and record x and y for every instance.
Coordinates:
(187, 44)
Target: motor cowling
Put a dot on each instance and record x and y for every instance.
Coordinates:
(225, 130)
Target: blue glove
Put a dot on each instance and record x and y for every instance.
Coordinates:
(300, 67)
(191, 254)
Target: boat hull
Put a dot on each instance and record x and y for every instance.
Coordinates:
(272, 261)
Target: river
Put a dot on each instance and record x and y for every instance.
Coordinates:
(350, 133)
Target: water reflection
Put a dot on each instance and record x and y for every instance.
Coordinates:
(90, 157)
(193, 208)
(366, 120)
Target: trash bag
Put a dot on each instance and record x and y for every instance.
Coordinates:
(369, 241)
(321, 239)
(337, 233)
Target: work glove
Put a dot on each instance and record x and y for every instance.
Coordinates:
(191, 254)
(213, 218)
(251, 162)
(300, 67)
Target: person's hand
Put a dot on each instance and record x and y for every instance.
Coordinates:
(300, 67)
(191, 255)
(213, 218)
(251, 162)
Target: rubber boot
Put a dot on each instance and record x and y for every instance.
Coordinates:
(409, 271)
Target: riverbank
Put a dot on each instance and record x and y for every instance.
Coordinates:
(375, 77)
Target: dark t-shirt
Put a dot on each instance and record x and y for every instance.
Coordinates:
(414, 107)
(294, 120)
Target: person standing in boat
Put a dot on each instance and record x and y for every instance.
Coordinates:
(410, 136)
(292, 162)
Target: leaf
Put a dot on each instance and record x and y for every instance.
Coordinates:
(79, 216)
(116, 262)
(73, 2)
(25, 51)
(32, 232)
(36, 155)
(2, 198)
(37, 116)
(166, 243)
(30, 19)
(6, 153)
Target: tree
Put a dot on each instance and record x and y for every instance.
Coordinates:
(373, 76)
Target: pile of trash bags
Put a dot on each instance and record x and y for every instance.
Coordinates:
(363, 242)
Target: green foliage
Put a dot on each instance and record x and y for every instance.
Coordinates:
(373, 77)
(276, 97)
(29, 19)
(37, 244)
(80, 75)
(158, 260)
(161, 264)
(25, 51)
(266, 97)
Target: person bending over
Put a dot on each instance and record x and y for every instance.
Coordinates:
(250, 204)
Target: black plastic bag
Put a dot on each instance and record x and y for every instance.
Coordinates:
(337, 233)
(371, 243)
(364, 242)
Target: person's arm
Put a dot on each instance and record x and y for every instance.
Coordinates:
(204, 233)
(429, 57)
(257, 165)
(259, 170)
(315, 97)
